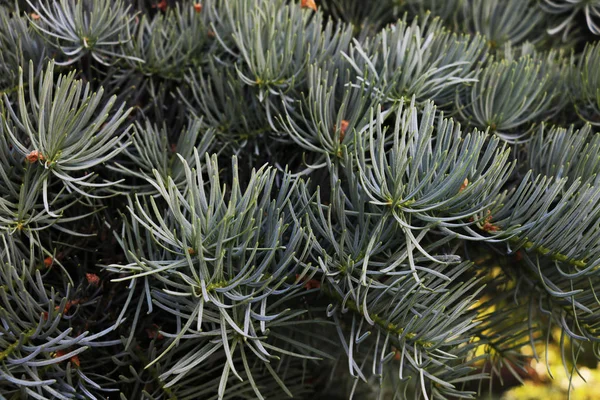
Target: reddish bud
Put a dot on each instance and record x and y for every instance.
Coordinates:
(74, 359)
(161, 5)
(48, 261)
(34, 156)
(344, 125)
(397, 354)
(92, 279)
(488, 226)
(309, 4)
(68, 306)
(343, 128)
(153, 332)
(312, 284)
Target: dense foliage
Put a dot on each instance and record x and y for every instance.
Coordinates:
(235, 199)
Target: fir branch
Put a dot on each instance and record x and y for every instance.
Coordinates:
(585, 88)
(504, 21)
(420, 59)
(569, 10)
(508, 97)
(67, 130)
(78, 28)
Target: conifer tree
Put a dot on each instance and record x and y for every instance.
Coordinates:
(266, 199)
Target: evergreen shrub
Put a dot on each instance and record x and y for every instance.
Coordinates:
(263, 199)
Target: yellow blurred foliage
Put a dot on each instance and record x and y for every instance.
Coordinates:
(557, 386)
